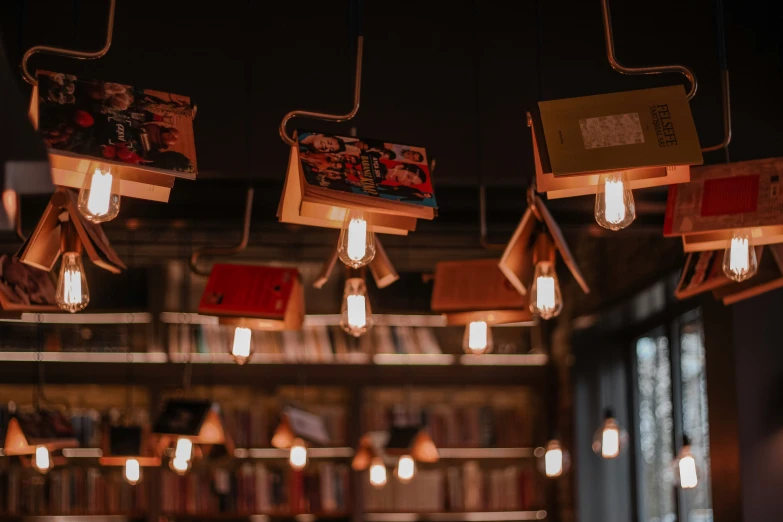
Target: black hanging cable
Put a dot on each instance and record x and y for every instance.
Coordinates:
(720, 35)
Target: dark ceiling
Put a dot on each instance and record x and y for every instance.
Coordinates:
(455, 77)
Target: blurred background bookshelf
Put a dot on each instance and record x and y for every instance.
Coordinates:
(409, 369)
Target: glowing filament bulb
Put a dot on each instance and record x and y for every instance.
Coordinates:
(406, 468)
(553, 460)
(355, 315)
(357, 239)
(184, 449)
(687, 469)
(42, 460)
(378, 473)
(610, 442)
(614, 204)
(356, 246)
(240, 349)
(72, 293)
(545, 299)
(132, 471)
(99, 197)
(297, 457)
(357, 318)
(181, 466)
(478, 338)
(739, 260)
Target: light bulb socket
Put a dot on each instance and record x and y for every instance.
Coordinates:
(686, 441)
(608, 413)
(544, 249)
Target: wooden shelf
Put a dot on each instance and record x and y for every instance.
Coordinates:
(282, 454)
(486, 453)
(473, 516)
(154, 370)
(73, 518)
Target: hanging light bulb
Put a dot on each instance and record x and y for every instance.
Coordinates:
(99, 197)
(614, 206)
(378, 472)
(406, 468)
(478, 338)
(684, 467)
(297, 457)
(545, 298)
(132, 472)
(610, 439)
(739, 260)
(554, 459)
(72, 292)
(356, 315)
(356, 245)
(180, 466)
(42, 461)
(240, 349)
(184, 449)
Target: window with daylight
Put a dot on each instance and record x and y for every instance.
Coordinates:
(671, 401)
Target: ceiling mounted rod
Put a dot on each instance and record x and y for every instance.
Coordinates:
(71, 53)
(357, 92)
(658, 69)
(226, 251)
(726, 115)
(720, 31)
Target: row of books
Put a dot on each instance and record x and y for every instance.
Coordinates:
(22, 337)
(312, 343)
(69, 491)
(252, 427)
(459, 489)
(458, 426)
(256, 488)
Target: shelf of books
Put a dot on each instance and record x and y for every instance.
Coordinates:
(103, 373)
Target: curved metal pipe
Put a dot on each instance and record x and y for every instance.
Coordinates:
(357, 92)
(71, 53)
(726, 116)
(226, 251)
(657, 69)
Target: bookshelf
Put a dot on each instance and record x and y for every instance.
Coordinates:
(510, 385)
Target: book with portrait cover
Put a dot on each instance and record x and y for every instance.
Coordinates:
(146, 136)
(330, 174)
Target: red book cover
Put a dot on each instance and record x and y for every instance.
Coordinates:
(248, 291)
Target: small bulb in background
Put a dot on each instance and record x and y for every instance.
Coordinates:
(614, 205)
(406, 468)
(240, 348)
(356, 314)
(684, 467)
(132, 472)
(42, 461)
(179, 465)
(478, 338)
(184, 449)
(545, 298)
(72, 292)
(297, 457)
(739, 260)
(610, 439)
(555, 459)
(356, 246)
(99, 197)
(378, 472)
